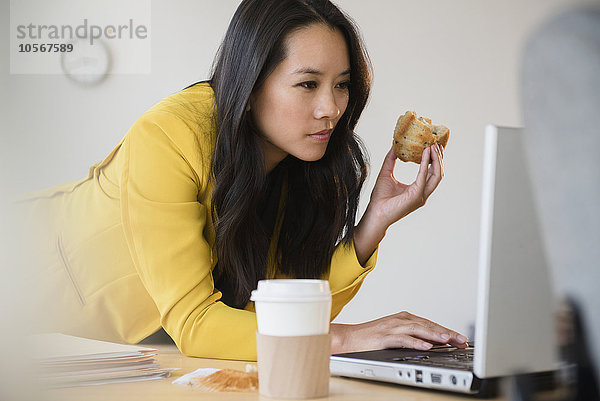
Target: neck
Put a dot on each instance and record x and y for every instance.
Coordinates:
(273, 155)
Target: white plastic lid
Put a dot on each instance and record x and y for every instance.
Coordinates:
(291, 290)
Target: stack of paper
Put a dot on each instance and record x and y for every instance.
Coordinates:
(63, 361)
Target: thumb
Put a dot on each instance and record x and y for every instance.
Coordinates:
(389, 162)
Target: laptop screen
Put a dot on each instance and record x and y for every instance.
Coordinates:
(514, 330)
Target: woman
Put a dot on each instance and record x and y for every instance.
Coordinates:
(253, 174)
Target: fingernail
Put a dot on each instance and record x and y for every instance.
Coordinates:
(445, 337)
(426, 346)
(462, 338)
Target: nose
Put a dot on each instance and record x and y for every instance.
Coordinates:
(326, 107)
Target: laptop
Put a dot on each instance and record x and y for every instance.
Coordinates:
(514, 327)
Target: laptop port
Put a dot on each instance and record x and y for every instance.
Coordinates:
(419, 376)
(436, 379)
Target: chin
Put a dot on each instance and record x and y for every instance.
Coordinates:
(313, 157)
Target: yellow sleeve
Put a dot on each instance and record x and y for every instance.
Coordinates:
(168, 230)
(347, 275)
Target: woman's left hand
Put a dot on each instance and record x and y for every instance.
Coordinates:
(400, 330)
(391, 200)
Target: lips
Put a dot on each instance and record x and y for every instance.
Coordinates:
(321, 135)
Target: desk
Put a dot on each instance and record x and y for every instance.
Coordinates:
(169, 356)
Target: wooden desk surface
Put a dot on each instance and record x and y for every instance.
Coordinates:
(163, 389)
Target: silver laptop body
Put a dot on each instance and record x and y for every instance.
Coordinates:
(514, 329)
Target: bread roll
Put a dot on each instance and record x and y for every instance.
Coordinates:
(227, 380)
(413, 134)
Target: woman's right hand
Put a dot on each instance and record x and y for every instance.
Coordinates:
(400, 330)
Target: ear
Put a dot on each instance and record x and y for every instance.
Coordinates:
(250, 101)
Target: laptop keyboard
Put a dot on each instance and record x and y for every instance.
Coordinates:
(443, 357)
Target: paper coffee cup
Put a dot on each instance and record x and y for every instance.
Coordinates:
(293, 342)
(292, 307)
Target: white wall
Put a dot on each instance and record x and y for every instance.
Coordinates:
(455, 61)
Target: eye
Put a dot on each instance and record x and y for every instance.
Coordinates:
(344, 85)
(308, 84)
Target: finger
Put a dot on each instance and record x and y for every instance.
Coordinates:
(406, 341)
(440, 153)
(421, 332)
(454, 338)
(434, 326)
(436, 173)
(423, 168)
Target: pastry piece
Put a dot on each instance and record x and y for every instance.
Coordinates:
(413, 134)
(227, 380)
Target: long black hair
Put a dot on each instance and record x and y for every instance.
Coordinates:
(322, 196)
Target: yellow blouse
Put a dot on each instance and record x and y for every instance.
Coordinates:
(130, 248)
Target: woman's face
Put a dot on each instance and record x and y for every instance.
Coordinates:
(302, 100)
